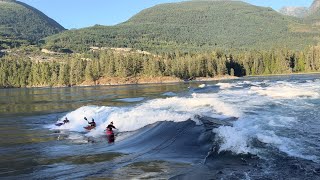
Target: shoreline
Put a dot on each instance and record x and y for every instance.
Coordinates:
(287, 74)
(148, 80)
(115, 81)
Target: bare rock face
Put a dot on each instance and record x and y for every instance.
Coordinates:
(301, 11)
(315, 6)
(294, 11)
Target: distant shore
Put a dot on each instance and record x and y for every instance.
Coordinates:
(286, 74)
(116, 81)
(149, 80)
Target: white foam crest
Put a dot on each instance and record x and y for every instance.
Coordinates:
(238, 139)
(175, 109)
(292, 149)
(202, 86)
(234, 140)
(269, 137)
(225, 85)
(284, 144)
(285, 91)
(77, 121)
(218, 105)
(242, 99)
(139, 117)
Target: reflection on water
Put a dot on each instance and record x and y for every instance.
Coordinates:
(48, 100)
(80, 159)
(148, 170)
(24, 141)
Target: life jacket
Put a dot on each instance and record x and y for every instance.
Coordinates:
(109, 132)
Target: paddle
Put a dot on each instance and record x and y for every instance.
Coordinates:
(86, 119)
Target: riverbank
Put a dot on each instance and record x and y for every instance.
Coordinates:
(286, 74)
(117, 81)
(149, 80)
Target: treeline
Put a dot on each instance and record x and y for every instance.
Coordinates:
(17, 71)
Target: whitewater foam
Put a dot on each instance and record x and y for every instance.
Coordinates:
(257, 104)
(233, 139)
(176, 109)
(202, 86)
(285, 91)
(225, 85)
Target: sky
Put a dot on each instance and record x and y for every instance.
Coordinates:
(84, 13)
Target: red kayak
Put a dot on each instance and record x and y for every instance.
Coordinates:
(89, 127)
(109, 132)
(110, 136)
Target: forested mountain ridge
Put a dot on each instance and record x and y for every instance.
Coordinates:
(186, 40)
(19, 21)
(193, 25)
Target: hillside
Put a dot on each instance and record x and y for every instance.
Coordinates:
(173, 41)
(19, 21)
(195, 25)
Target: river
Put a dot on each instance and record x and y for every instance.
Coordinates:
(248, 128)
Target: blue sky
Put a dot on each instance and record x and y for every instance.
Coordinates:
(84, 13)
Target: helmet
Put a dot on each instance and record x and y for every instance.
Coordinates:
(111, 122)
(85, 118)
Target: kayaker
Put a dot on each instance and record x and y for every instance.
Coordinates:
(111, 126)
(66, 120)
(92, 123)
(110, 134)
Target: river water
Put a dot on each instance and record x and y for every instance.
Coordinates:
(249, 128)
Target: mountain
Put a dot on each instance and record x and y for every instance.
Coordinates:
(314, 12)
(294, 11)
(193, 25)
(22, 22)
(315, 6)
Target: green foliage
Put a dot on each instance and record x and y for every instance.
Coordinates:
(248, 40)
(16, 71)
(18, 21)
(193, 26)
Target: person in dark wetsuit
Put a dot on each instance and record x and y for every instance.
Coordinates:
(66, 120)
(110, 126)
(92, 123)
(110, 134)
